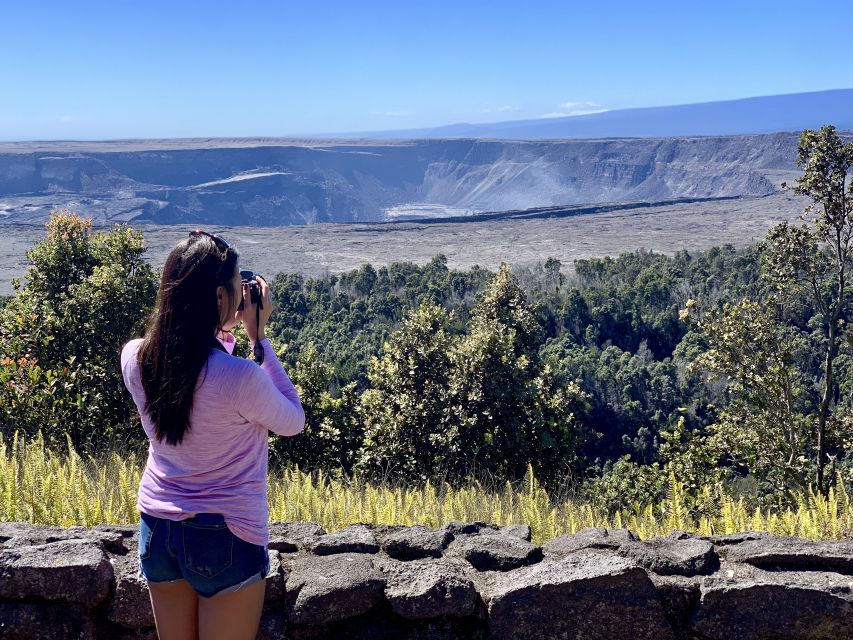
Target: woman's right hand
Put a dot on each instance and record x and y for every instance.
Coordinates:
(254, 328)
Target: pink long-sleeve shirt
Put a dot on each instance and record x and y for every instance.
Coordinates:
(221, 465)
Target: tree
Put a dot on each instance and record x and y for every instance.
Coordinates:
(85, 294)
(625, 485)
(332, 432)
(779, 355)
(814, 259)
(632, 396)
(554, 279)
(686, 455)
(765, 427)
(508, 407)
(405, 411)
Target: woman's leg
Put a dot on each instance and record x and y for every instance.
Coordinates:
(232, 616)
(176, 608)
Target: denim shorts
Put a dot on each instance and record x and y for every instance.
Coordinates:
(202, 551)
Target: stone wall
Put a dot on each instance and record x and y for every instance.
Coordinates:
(465, 580)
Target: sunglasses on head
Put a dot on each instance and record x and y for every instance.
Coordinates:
(220, 242)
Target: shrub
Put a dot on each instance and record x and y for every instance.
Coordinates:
(85, 294)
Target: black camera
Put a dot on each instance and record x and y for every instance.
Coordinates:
(254, 289)
(248, 277)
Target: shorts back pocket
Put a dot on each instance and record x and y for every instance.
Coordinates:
(208, 548)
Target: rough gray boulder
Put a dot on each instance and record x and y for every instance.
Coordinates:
(356, 538)
(125, 530)
(72, 570)
(679, 597)
(323, 589)
(275, 579)
(748, 603)
(415, 542)
(289, 537)
(382, 531)
(129, 537)
(599, 583)
(23, 534)
(673, 555)
(272, 626)
(591, 538)
(131, 604)
(423, 589)
(110, 539)
(522, 531)
(120, 633)
(794, 553)
(725, 539)
(498, 552)
(455, 528)
(45, 621)
(589, 594)
(38, 533)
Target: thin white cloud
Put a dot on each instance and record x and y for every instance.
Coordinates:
(65, 119)
(579, 106)
(567, 109)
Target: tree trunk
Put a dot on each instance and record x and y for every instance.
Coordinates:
(823, 412)
(829, 382)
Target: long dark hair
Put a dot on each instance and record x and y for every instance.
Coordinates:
(181, 331)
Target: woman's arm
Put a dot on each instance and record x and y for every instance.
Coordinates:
(266, 396)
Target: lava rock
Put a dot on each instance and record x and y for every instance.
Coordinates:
(423, 589)
(794, 553)
(38, 533)
(23, 534)
(679, 597)
(726, 539)
(275, 579)
(324, 589)
(356, 538)
(45, 621)
(592, 538)
(131, 603)
(522, 531)
(415, 542)
(110, 540)
(114, 632)
(72, 570)
(469, 528)
(272, 626)
(590, 594)
(499, 552)
(382, 531)
(673, 555)
(753, 604)
(288, 537)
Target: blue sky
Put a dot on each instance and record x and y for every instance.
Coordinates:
(100, 70)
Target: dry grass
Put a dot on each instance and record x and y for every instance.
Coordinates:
(40, 485)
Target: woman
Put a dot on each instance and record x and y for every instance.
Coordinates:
(202, 499)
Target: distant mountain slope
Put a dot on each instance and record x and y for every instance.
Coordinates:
(792, 112)
(285, 182)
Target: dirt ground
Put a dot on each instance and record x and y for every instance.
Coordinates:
(331, 248)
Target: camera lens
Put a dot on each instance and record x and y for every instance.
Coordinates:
(248, 277)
